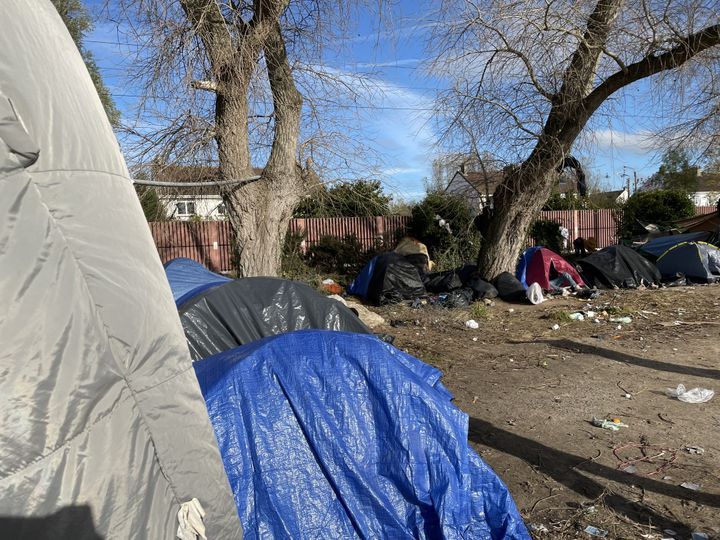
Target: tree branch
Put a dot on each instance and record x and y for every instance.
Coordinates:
(652, 65)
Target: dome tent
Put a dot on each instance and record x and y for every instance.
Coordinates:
(388, 278)
(104, 429)
(218, 314)
(618, 267)
(541, 265)
(697, 261)
(310, 412)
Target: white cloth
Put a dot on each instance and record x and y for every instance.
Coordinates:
(190, 521)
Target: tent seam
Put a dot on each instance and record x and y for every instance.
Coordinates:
(120, 365)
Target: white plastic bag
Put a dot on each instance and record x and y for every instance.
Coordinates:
(534, 294)
(696, 395)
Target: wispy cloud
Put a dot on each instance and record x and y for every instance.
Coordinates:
(640, 142)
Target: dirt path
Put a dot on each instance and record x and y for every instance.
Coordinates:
(531, 393)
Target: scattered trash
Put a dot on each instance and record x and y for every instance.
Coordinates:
(669, 532)
(588, 507)
(577, 316)
(475, 339)
(628, 396)
(472, 324)
(488, 302)
(590, 314)
(623, 320)
(555, 326)
(387, 338)
(613, 425)
(630, 469)
(699, 536)
(594, 531)
(331, 287)
(511, 310)
(697, 450)
(538, 528)
(690, 485)
(696, 395)
(667, 478)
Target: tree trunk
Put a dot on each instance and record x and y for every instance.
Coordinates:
(260, 212)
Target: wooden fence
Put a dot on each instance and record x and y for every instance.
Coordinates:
(210, 242)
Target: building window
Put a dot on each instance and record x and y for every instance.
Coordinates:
(185, 208)
(221, 209)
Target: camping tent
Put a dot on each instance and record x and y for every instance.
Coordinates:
(401, 469)
(541, 265)
(188, 278)
(222, 315)
(618, 267)
(104, 431)
(698, 261)
(388, 278)
(658, 246)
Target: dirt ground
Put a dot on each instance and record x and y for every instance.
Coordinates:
(531, 393)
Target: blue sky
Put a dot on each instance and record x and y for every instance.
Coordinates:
(397, 121)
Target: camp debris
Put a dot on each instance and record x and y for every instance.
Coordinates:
(104, 429)
(230, 313)
(543, 266)
(697, 261)
(278, 407)
(618, 267)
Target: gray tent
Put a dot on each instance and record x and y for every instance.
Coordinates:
(698, 261)
(103, 429)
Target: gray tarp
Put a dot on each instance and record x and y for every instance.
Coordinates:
(103, 430)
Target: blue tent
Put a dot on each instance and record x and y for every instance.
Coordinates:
(521, 271)
(188, 278)
(338, 435)
(660, 245)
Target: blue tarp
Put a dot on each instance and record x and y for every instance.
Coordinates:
(338, 435)
(521, 271)
(188, 278)
(660, 245)
(359, 286)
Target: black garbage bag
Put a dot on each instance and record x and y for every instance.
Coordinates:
(441, 282)
(482, 289)
(509, 288)
(459, 298)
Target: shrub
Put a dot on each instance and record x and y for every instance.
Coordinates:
(448, 248)
(547, 233)
(661, 207)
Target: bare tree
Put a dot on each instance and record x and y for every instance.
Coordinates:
(530, 76)
(221, 83)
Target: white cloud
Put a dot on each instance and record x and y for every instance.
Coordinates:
(639, 142)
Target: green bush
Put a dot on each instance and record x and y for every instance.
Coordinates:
(547, 233)
(661, 207)
(449, 249)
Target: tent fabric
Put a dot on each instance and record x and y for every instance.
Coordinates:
(188, 278)
(525, 258)
(388, 278)
(540, 265)
(618, 267)
(104, 431)
(368, 430)
(248, 309)
(658, 246)
(697, 261)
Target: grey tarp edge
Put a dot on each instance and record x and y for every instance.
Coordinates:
(103, 429)
(248, 309)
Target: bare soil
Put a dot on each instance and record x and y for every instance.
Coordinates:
(531, 393)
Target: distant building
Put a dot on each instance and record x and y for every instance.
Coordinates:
(707, 191)
(187, 203)
(476, 187)
(609, 199)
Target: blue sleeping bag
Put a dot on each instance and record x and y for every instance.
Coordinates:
(339, 435)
